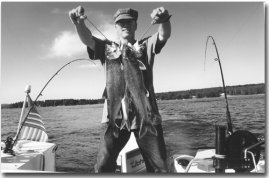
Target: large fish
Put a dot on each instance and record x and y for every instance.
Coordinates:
(135, 85)
(115, 88)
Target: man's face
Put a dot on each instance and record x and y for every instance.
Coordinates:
(126, 28)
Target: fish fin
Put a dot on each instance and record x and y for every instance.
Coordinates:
(141, 65)
(136, 45)
(142, 132)
(116, 132)
(123, 123)
(147, 128)
(147, 93)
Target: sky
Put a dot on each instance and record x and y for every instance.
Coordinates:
(38, 38)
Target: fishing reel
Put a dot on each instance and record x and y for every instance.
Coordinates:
(242, 151)
(9, 146)
(239, 151)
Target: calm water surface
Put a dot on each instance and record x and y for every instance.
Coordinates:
(188, 125)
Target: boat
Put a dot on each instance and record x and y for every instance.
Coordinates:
(28, 154)
(234, 152)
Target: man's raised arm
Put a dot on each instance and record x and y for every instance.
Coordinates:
(161, 16)
(77, 17)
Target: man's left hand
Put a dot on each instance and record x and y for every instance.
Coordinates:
(160, 15)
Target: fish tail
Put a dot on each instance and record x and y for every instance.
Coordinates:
(147, 128)
(112, 130)
(125, 123)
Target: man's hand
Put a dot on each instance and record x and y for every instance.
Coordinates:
(76, 15)
(160, 15)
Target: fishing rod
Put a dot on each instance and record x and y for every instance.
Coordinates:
(40, 94)
(228, 115)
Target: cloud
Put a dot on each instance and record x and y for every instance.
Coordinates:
(66, 44)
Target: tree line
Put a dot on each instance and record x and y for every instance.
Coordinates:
(249, 89)
(59, 102)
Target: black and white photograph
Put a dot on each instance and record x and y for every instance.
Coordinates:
(133, 88)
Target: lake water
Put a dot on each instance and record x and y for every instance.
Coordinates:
(188, 125)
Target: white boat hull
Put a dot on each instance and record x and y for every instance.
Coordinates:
(203, 163)
(30, 156)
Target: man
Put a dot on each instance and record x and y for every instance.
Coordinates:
(152, 147)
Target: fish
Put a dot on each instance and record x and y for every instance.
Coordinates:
(115, 88)
(125, 111)
(135, 85)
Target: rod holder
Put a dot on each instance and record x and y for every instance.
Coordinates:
(220, 155)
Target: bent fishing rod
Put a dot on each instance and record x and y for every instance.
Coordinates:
(40, 94)
(228, 115)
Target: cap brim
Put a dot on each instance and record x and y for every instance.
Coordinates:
(124, 17)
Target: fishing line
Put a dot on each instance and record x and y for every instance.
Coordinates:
(95, 27)
(153, 22)
(40, 94)
(244, 22)
(148, 28)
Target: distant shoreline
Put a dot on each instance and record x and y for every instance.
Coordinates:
(249, 89)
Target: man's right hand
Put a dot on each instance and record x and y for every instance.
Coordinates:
(76, 15)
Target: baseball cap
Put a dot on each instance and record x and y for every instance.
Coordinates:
(127, 13)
